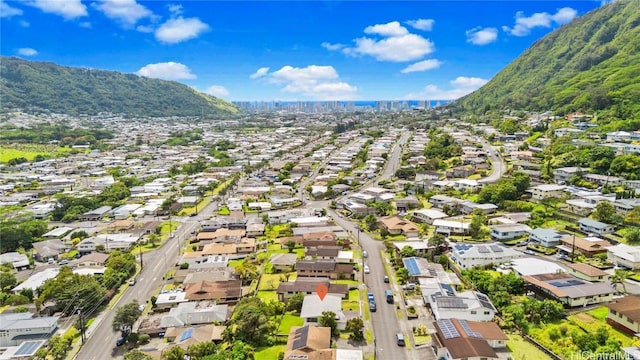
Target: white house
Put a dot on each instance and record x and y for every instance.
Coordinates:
(451, 227)
(534, 266)
(596, 227)
(624, 255)
(468, 305)
(313, 307)
(616, 136)
(508, 231)
(428, 215)
(540, 192)
(469, 255)
(563, 174)
(546, 237)
(15, 328)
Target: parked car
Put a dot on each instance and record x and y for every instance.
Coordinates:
(121, 340)
(530, 252)
(400, 339)
(63, 262)
(386, 279)
(364, 254)
(366, 269)
(372, 306)
(132, 282)
(409, 286)
(141, 307)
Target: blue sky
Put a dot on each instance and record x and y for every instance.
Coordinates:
(289, 50)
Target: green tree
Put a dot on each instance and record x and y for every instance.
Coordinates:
(71, 290)
(477, 225)
(153, 239)
(251, 323)
(328, 319)
(407, 251)
(136, 354)
(619, 277)
(632, 235)
(370, 222)
(295, 302)
(125, 317)
(290, 245)
(605, 211)
(355, 326)
(438, 241)
(173, 353)
(200, 350)
(7, 280)
(403, 275)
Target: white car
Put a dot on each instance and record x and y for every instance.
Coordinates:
(366, 269)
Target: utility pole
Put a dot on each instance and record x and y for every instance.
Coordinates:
(140, 247)
(81, 324)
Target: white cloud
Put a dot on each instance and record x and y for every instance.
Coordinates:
(128, 12)
(259, 73)
(332, 47)
(422, 66)
(144, 28)
(24, 23)
(217, 91)
(180, 29)
(422, 24)
(481, 36)
(175, 9)
(389, 29)
(68, 9)
(27, 52)
(407, 47)
(85, 24)
(314, 82)
(166, 71)
(524, 24)
(7, 11)
(395, 43)
(461, 86)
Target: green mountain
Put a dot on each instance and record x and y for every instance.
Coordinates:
(591, 64)
(30, 85)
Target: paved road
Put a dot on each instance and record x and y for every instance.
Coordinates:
(101, 340)
(498, 165)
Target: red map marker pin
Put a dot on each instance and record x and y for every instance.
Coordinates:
(322, 291)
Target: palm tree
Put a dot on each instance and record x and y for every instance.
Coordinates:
(619, 277)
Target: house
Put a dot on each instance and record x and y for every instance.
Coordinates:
(96, 214)
(428, 215)
(568, 289)
(309, 342)
(624, 255)
(624, 314)
(469, 207)
(469, 255)
(534, 266)
(457, 339)
(313, 307)
(562, 175)
(587, 246)
(16, 328)
(546, 237)
(419, 246)
(308, 286)
(406, 203)
(17, 260)
(468, 305)
(223, 292)
(587, 272)
(595, 227)
(449, 227)
(194, 313)
(284, 262)
(184, 337)
(322, 252)
(440, 201)
(92, 260)
(543, 191)
(616, 136)
(36, 280)
(324, 268)
(508, 231)
(421, 268)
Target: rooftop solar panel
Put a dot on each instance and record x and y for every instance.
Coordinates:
(29, 347)
(412, 266)
(484, 300)
(300, 338)
(483, 249)
(448, 330)
(468, 330)
(451, 302)
(186, 334)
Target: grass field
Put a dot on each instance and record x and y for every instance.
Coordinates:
(521, 350)
(287, 322)
(269, 282)
(30, 151)
(267, 296)
(599, 313)
(269, 353)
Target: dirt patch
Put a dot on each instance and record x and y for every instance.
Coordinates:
(586, 318)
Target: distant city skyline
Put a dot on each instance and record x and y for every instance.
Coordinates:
(289, 50)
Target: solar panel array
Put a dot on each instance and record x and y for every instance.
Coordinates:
(29, 347)
(483, 249)
(448, 330)
(186, 334)
(300, 338)
(468, 330)
(484, 300)
(571, 282)
(496, 248)
(433, 272)
(451, 303)
(412, 266)
(448, 289)
(463, 247)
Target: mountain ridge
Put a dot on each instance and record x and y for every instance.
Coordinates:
(46, 86)
(590, 64)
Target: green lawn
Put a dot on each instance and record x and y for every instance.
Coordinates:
(350, 305)
(224, 210)
(287, 322)
(599, 313)
(186, 211)
(521, 350)
(421, 339)
(269, 282)
(267, 296)
(30, 151)
(269, 353)
(354, 295)
(353, 284)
